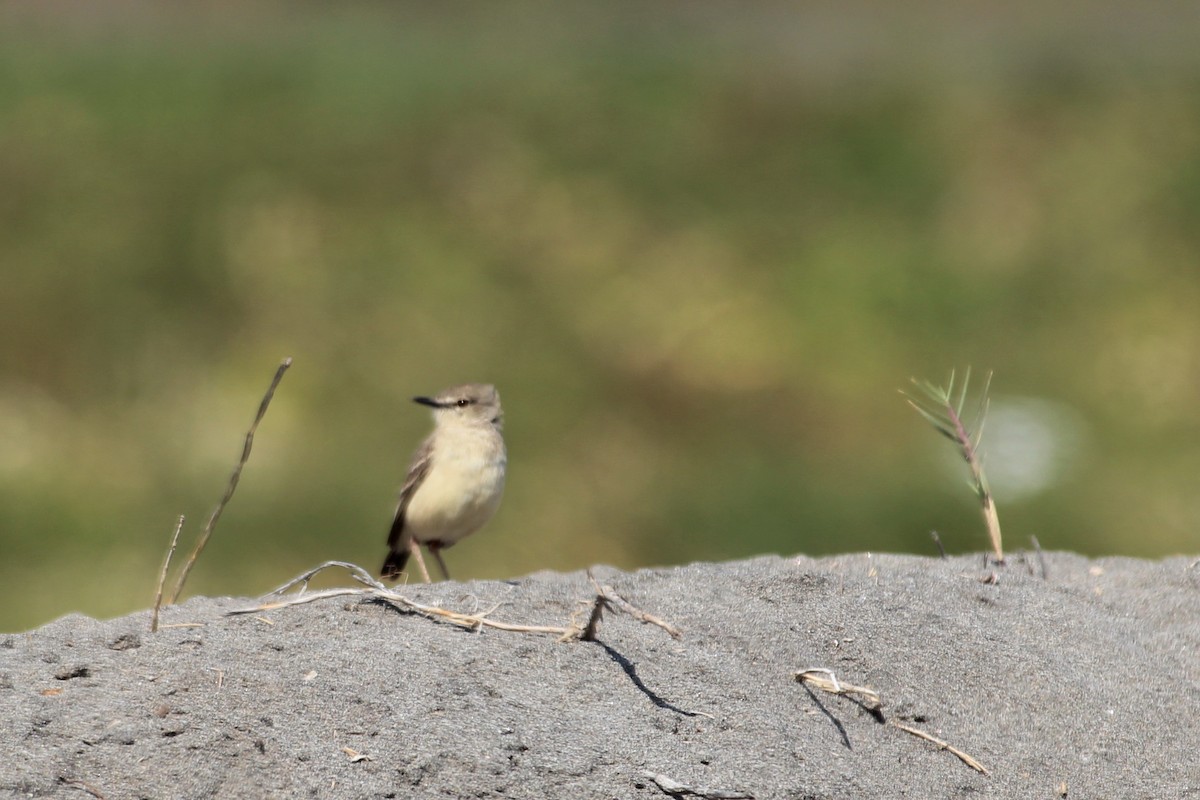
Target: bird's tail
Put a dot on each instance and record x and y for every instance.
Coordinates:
(393, 565)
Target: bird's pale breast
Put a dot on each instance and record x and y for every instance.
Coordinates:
(462, 489)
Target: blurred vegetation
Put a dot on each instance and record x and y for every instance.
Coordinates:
(697, 247)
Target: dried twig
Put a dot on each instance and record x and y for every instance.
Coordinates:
(826, 681)
(615, 602)
(162, 576)
(965, 758)
(622, 604)
(469, 621)
(358, 573)
(233, 480)
(374, 590)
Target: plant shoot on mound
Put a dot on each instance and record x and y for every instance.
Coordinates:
(943, 407)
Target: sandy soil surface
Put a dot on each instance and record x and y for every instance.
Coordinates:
(1083, 682)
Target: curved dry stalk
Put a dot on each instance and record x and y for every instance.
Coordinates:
(826, 681)
(162, 575)
(233, 481)
(375, 590)
(469, 621)
(949, 748)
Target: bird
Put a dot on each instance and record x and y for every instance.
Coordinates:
(455, 480)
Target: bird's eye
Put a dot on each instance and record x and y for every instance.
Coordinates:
(462, 401)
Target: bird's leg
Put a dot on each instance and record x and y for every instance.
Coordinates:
(437, 553)
(414, 550)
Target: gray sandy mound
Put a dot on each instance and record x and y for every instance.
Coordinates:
(1084, 683)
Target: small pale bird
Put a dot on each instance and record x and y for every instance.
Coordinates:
(455, 480)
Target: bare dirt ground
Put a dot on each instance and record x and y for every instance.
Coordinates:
(1083, 682)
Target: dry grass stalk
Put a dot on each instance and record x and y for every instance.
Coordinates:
(615, 602)
(965, 758)
(468, 621)
(233, 481)
(944, 412)
(374, 590)
(162, 575)
(826, 681)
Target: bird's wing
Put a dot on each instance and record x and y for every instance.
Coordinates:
(416, 475)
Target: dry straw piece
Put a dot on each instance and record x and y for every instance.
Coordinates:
(216, 512)
(372, 589)
(233, 480)
(826, 681)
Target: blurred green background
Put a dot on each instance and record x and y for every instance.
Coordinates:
(698, 248)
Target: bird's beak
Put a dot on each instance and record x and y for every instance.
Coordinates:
(427, 401)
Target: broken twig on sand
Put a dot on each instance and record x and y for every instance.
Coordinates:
(606, 597)
(964, 757)
(826, 681)
(374, 590)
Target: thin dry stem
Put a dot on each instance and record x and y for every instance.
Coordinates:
(374, 590)
(377, 591)
(162, 575)
(469, 621)
(233, 481)
(964, 757)
(615, 602)
(301, 580)
(993, 526)
(826, 681)
(621, 604)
